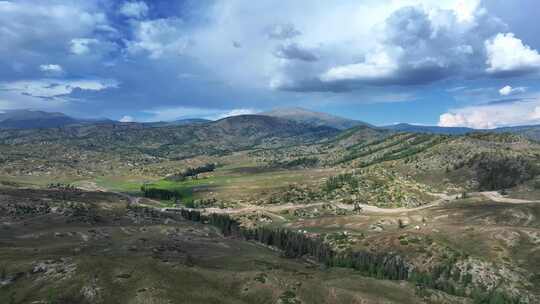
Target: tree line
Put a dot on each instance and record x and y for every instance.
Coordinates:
(192, 172)
(338, 181)
(303, 162)
(161, 194)
(496, 172)
(297, 244)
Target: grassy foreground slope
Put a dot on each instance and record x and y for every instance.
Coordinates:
(87, 247)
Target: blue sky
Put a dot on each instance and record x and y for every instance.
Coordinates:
(448, 62)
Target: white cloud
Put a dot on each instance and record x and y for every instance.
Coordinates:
(127, 118)
(255, 64)
(536, 113)
(378, 65)
(50, 88)
(466, 10)
(234, 112)
(51, 68)
(508, 90)
(92, 46)
(508, 54)
(81, 46)
(159, 37)
(174, 113)
(181, 112)
(137, 9)
(493, 116)
(505, 91)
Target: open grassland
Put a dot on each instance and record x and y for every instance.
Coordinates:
(228, 183)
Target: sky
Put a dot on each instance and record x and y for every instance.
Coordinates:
(450, 63)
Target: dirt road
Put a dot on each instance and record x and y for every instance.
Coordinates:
(442, 197)
(497, 197)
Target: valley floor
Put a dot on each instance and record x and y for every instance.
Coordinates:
(114, 255)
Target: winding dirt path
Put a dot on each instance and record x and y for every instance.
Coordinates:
(374, 209)
(289, 206)
(497, 197)
(273, 209)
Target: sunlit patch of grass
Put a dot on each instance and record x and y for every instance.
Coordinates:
(121, 183)
(226, 183)
(185, 188)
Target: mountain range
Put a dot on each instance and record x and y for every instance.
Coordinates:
(31, 119)
(19, 119)
(404, 127)
(531, 131)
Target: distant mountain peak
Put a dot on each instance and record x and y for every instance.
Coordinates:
(315, 118)
(28, 114)
(284, 111)
(417, 128)
(293, 110)
(37, 119)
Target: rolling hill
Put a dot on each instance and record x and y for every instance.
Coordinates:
(531, 132)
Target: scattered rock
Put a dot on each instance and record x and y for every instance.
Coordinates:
(124, 276)
(91, 293)
(59, 269)
(376, 227)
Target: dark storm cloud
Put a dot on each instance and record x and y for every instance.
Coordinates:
(423, 52)
(508, 101)
(415, 49)
(408, 27)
